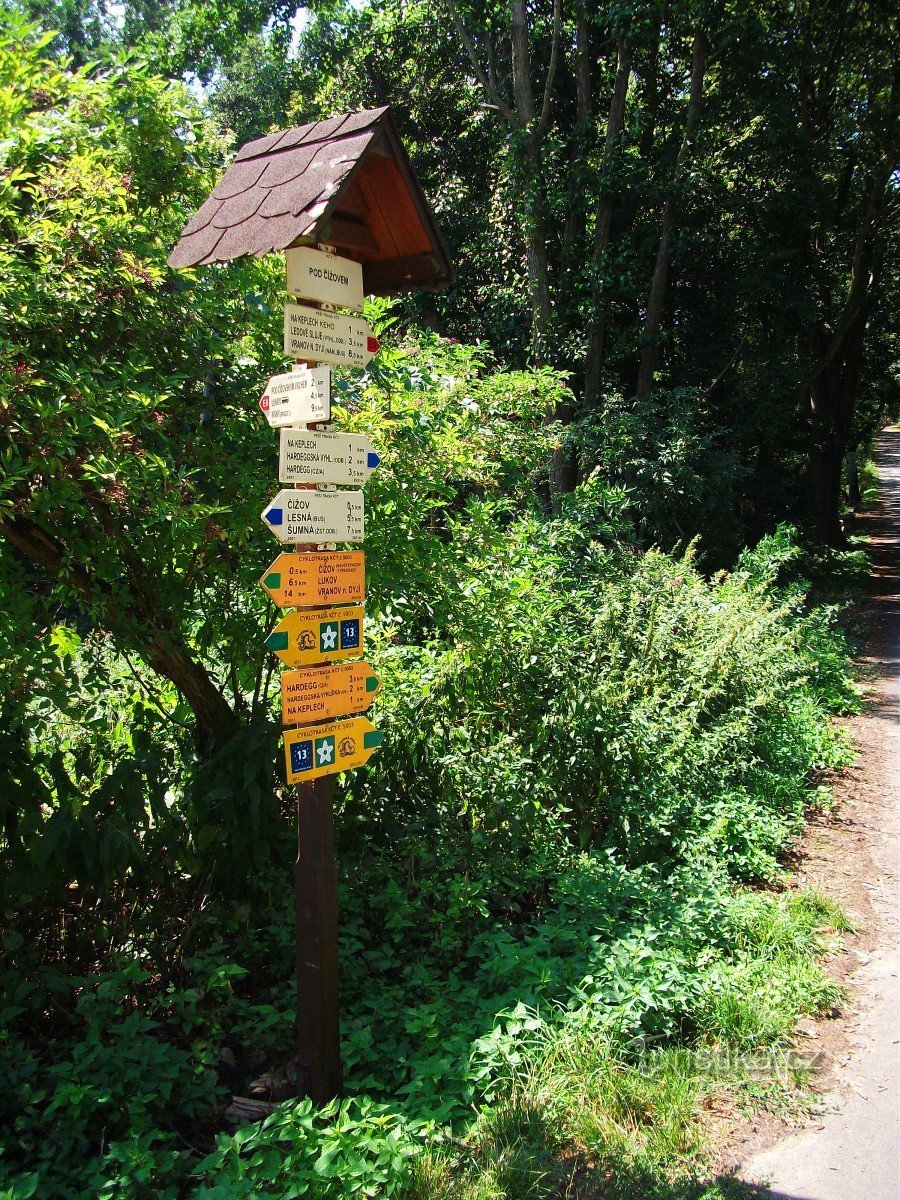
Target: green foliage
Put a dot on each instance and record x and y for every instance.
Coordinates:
(588, 746)
(630, 679)
(674, 464)
(123, 1077)
(560, 896)
(568, 1094)
(347, 1149)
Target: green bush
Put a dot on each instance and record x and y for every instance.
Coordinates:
(354, 1148)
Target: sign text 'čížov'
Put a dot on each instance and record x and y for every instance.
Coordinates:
(318, 577)
(309, 516)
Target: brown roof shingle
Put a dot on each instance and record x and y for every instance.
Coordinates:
(319, 182)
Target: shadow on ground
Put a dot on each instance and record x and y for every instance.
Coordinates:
(619, 1184)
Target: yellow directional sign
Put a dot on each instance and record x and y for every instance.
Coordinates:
(303, 638)
(323, 693)
(321, 577)
(325, 749)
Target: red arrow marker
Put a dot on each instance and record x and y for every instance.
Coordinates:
(264, 404)
(373, 345)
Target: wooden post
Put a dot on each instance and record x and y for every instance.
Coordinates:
(320, 1075)
(319, 1071)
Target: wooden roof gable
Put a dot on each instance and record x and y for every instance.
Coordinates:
(344, 182)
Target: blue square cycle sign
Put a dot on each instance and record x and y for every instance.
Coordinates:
(301, 756)
(349, 635)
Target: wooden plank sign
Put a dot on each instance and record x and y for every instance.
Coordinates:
(323, 577)
(313, 517)
(327, 278)
(307, 456)
(327, 337)
(298, 397)
(326, 749)
(331, 634)
(323, 693)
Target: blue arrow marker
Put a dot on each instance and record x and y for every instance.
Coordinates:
(372, 459)
(275, 516)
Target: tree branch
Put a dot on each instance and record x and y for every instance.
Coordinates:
(151, 694)
(146, 630)
(466, 38)
(707, 392)
(544, 118)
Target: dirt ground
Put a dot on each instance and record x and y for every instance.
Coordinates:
(848, 1147)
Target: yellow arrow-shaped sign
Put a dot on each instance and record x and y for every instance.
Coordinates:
(329, 635)
(322, 693)
(320, 577)
(326, 749)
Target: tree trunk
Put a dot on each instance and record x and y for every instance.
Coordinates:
(651, 92)
(659, 284)
(535, 227)
(836, 358)
(823, 479)
(537, 266)
(614, 126)
(851, 470)
(832, 397)
(574, 225)
(137, 626)
(562, 472)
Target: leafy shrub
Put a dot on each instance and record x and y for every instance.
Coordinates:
(354, 1148)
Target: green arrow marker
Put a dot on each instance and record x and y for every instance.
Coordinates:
(277, 641)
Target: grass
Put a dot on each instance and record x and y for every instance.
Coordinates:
(868, 481)
(584, 1116)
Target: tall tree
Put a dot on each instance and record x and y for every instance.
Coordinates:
(526, 127)
(677, 200)
(660, 279)
(847, 111)
(101, 422)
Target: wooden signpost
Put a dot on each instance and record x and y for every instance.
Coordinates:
(326, 577)
(312, 517)
(313, 638)
(324, 693)
(327, 337)
(310, 456)
(318, 635)
(342, 184)
(298, 397)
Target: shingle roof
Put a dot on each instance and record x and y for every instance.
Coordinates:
(346, 180)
